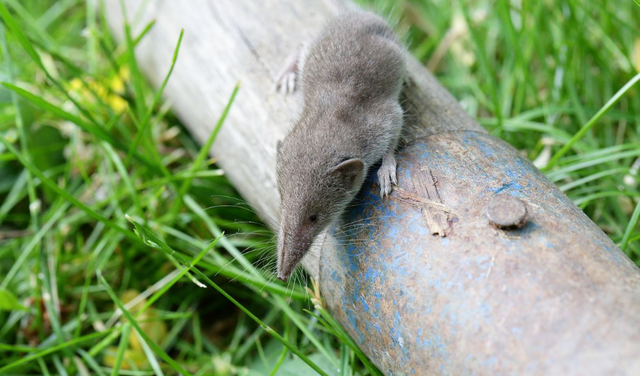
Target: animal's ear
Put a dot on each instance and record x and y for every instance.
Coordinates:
(352, 170)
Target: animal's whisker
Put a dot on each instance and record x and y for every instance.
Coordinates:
(243, 205)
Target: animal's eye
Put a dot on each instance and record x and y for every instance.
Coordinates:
(313, 218)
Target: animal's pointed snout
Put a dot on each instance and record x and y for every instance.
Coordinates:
(292, 247)
(285, 267)
(283, 273)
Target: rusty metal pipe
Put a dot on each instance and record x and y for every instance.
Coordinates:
(521, 283)
(554, 297)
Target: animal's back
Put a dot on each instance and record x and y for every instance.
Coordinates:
(357, 54)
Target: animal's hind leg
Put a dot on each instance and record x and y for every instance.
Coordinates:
(290, 74)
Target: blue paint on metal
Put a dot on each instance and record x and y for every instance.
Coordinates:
(485, 312)
(482, 261)
(352, 254)
(353, 321)
(528, 230)
(511, 186)
(335, 277)
(365, 305)
(372, 274)
(479, 144)
(490, 361)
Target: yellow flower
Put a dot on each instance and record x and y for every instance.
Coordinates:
(109, 92)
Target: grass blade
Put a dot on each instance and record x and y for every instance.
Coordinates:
(124, 175)
(632, 224)
(204, 151)
(53, 349)
(592, 122)
(156, 349)
(136, 76)
(59, 112)
(146, 121)
(48, 182)
(92, 129)
(124, 342)
(182, 273)
(152, 240)
(20, 35)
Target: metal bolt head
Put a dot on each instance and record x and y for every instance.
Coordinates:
(506, 212)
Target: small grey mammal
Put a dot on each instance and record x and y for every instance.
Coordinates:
(350, 76)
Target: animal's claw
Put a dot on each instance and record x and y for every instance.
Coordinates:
(287, 79)
(287, 83)
(387, 176)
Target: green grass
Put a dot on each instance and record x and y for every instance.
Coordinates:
(124, 250)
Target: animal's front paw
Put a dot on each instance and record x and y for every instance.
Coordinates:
(387, 176)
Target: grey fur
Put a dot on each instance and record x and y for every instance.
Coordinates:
(351, 77)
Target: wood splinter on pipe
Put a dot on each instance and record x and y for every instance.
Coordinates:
(427, 186)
